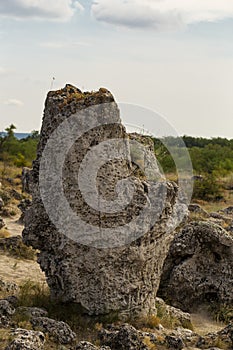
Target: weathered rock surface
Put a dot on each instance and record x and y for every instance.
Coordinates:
(84, 345)
(1, 203)
(223, 337)
(31, 311)
(199, 267)
(174, 342)
(58, 330)
(11, 243)
(196, 208)
(6, 312)
(23, 206)
(26, 179)
(26, 340)
(125, 337)
(2, 223)
(228, 210)
(15, 246)
(125, 278)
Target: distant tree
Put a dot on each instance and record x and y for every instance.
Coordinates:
(10, 131)
(34, 135)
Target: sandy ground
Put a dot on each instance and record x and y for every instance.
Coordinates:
(18, 270)
(13, 226)
(203, 323)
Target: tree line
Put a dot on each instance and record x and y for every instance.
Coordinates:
(18, 152)
(211, 158)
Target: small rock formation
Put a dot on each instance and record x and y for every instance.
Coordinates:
(60, 331)
(6, 312)
(174, 342)
(228, 210)
(125, 278)
(84, 345)
(6, 286)
(30, 312)
(1, 203)
(26, 180)
(2, 223)
(179, 317)
(26, 340)
(23, 206)
(126, 337)
(197, 209)
(199, 267)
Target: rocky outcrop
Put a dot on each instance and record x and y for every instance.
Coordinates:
(58, 330)
(2, 223)
(177, 316)
(23, 206)
(197, 209)
(199, 267)
(30, 312)
(228, 210)
(26, 180)
(84, 345)
(223, 338)
(125, 337)
(15, 246)
(1, 203)
(114, 268)
(6, 286)
(26, 340)
(6, 312)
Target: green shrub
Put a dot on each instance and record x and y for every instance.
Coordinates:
(207, 189)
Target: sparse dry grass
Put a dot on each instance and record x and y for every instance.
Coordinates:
(149, 344)
(146, 322)
(4, 233)
(5, 338)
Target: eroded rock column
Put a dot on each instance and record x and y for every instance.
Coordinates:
(99, 272)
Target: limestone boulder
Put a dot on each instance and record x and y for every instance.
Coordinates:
(103, 272)
(26, 340)
(124, 337)
(199, 267)
(58, 330)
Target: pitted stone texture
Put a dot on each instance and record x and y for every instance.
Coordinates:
(6, 312)
(26, 180)
(58, 330)
(199, 267)
(123, 279)
(84, 345)
(26, 340)
(8, 286)
(31, 311)
(2, 223)
(125, 337)
(212, 340)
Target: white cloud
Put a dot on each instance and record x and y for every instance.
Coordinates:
(63, 44)
(13, 102)
(161, 14)
(4, 71)
(58, 10)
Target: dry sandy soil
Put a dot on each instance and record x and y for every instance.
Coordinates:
(18, 270)
(203, 324)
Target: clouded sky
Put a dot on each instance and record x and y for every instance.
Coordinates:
(173, 56)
